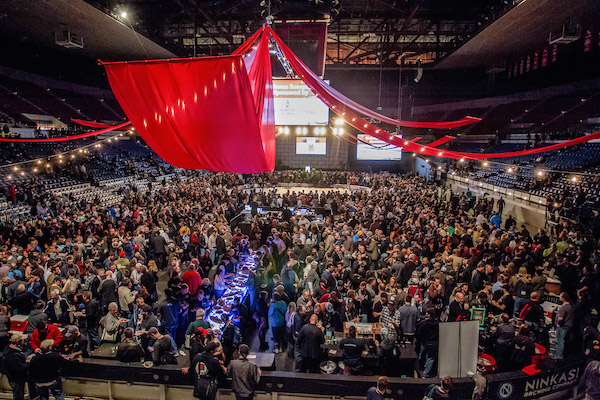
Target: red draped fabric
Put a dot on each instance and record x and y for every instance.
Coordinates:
(197, 113)
(92, 124)
(440, 141)
(244, 47)
(261, 81)
(343, 103)
(356, 121)
(67, 138)
(217, 113)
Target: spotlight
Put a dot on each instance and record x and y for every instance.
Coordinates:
(462, 160)
(286, 130)
(365, 125)
(39, 161)
(35, 170)
(304, 131)
(123, 14)
(323, 130)
(316, 131)
(72, 155)
(340, 131)
(414, 154)
(298, 131)
(9, 177)
(339, 121)
(485, 163)
(60, 156)
(391, 137)
(574, 179)
(540, 173)
(440, 154)
(405, 142)
(48, 165)
(510, 170)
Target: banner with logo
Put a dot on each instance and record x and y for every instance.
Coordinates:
(536, 386)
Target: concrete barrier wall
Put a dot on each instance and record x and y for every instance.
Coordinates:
(525, 209)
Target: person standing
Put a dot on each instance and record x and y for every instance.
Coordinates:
(352, 348)
(15, 365)
(378, 392)
(564, 324)
(310, 340)
(208, 373)
(45, 371)
(427, 338)
(277, 311)
(407, 316)
(245, 375)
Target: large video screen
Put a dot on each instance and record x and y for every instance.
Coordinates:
(296, 104)
(311, 145)
(376, 149)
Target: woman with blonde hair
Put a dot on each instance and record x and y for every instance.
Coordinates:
(290, 314)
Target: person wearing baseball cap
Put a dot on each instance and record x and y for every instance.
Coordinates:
(15, 365)
(245, 375)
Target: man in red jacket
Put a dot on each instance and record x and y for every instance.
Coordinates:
(44, 332)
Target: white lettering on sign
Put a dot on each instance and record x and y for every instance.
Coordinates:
(540, 386)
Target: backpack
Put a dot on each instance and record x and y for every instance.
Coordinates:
(205, 387)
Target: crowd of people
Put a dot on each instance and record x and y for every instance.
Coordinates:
(406, 253)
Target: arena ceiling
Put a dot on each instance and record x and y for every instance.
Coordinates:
(360, 32)
(521, 29)
(104, 37)
(365, 33)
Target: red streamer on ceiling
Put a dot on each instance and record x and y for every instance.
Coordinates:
(67, 138)
(217, 113)
(359, 123)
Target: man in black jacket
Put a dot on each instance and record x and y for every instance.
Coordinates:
(221, 249)
(427, 338)
(35, 316)
(93, 314)
(163, 348)
(310, 340)
(504, 336)
(352, 348)
(207, 373)
(15, 365)
(129, 350)
(457, 310)
(45, 370)
(158, 245)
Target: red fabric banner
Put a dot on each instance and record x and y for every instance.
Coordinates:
(332, 97)
(67, 138)
(441, 141)
(91, 124)
(197, 113)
